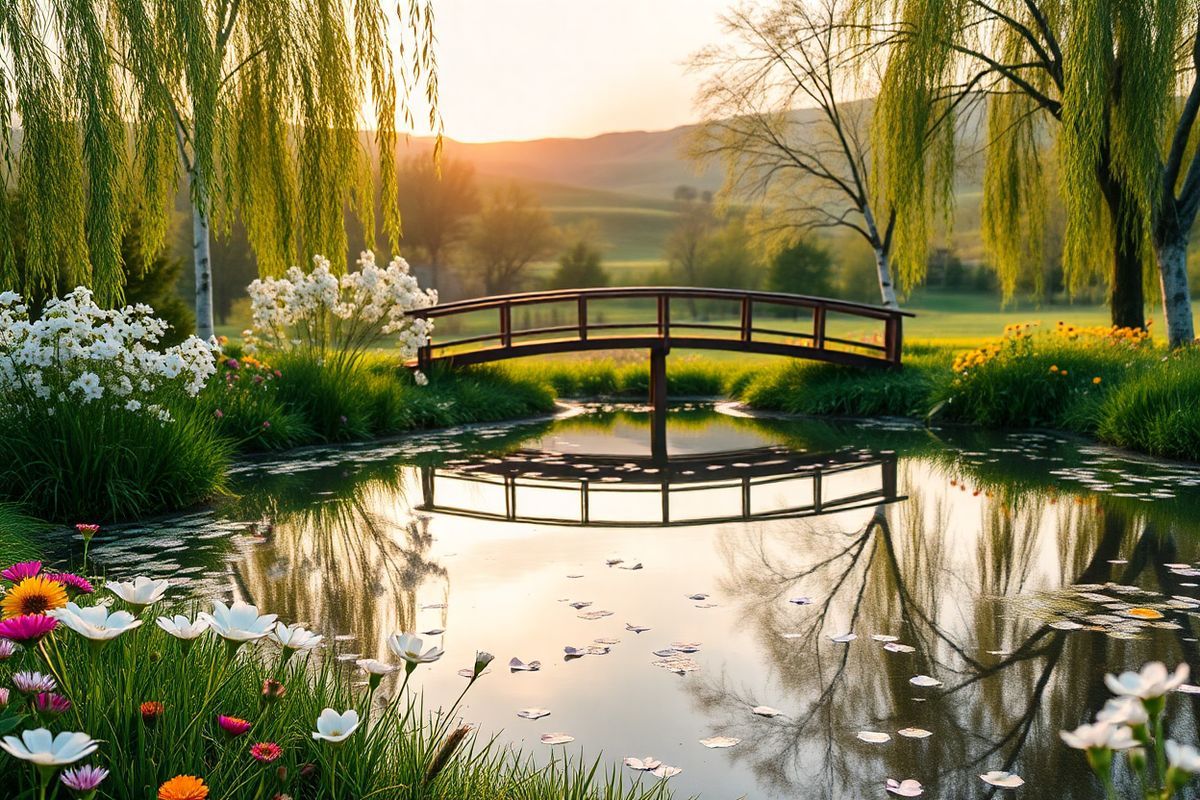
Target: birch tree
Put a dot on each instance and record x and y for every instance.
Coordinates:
(259, 104)
(777, 119)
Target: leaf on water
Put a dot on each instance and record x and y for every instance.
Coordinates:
(707, 605)
(800, 601)
(698, 596)
(533, 713)
(719, 741)
(612, 562)
(517, 665)
(924, 680)
(629, 626)
(792, 635)
(594, 614)
(874, 737)
(904, 788)
(665, 653)
(557, 738)
(844, 638)
(579, 605)
(1143, 613)
(1066, 625)
(664, 771)
(606, 640)
(1005, 780)
(914, 733)
(679, 664)
(765, 711)
(433, 632)
(685, 647)
(467, 673)
(575, 576)
(433, 605)
(896, 647)
(643, 764)
(638, 565)
(885, 638)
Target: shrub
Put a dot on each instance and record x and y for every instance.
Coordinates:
(97, 420)
(1157, 412)
(243, 401)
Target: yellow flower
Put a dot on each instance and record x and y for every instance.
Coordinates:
(183, 787)
(1096, 379)
(34, 595)
(1054, 367)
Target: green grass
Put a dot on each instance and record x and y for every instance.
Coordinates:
(19, 534)
(1158, 411)
(626, 377)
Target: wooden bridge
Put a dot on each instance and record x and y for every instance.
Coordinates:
(658, 319)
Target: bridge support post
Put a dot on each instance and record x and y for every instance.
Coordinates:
(658, 402)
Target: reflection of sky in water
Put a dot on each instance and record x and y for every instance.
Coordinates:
(967, 569)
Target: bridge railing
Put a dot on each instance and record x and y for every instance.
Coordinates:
(759, 325)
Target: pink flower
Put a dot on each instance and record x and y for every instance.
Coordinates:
(31, 683)
(7, 649)
(233, 726)
(218, 414)
(265, 752)
(83, 779)
(21, 570)
(232, 363)
(266, 424)
(51, 704)
(87, 530)
(27, 628)
(77, 583)
(4, 697)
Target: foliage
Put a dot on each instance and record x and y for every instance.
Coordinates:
(802, 268)
(579, 265)
(243, 716)
(244, 402)
(436, 204)
(606, 377)
(97, 419)
(512, 231)
(152, 280)
(1156, 412)
(261, 102)
(18, 534)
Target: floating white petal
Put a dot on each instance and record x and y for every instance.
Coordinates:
(914, 733)
(844, 638)
(766, 711)
(874, 737)
(719, 741)
(924, 681)
(557, 738)
(904, 788)
(1005, 780)
(533, 713)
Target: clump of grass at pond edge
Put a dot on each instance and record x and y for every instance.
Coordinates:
(609, 378)
(1158, 411)
(18, 534)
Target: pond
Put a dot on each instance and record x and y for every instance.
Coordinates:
(808, 569)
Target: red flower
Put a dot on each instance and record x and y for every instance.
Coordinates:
(265, 752)
(151, 711)
(27, 628)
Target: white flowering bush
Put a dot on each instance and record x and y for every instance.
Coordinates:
(77, 353)
(338, 318)
(100, 421)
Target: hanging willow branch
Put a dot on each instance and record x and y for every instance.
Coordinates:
(281, 113)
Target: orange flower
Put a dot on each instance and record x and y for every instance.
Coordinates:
(183, 787)
(1096, 380)
(35, 595)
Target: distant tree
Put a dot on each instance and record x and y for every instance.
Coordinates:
(436, 207)
(512, 231)
(154, 280)
(579, 265)
(685, 194)
(730, 257)
(684, 245)
(802, 268)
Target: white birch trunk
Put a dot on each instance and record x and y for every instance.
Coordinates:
(1177, 301)
(202, 258)
(887, 289)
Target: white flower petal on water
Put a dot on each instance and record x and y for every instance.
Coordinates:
(904, 788)
(765, 711)
(579, 605)
(800, 601)
(638, 565)
(874, 737)
(1005, 780)
(557, 738)
(914, 733)
(594, 615)
(533, 713)
(643, 764)
(1188, 688)
(685, 647)
(1066, 625)
(517, 665)
(719, 741)
(698, 596)
(629, 626)
(885, 638)
(896, 647)
(665, 771)
(844, 638)
(924, 681)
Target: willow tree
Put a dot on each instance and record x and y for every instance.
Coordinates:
(1097, 76)
(776, 117)
(259, 104)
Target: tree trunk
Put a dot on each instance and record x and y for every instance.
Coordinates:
(1171, 250)
(202, 257)
(1127, 299)
(883, 267)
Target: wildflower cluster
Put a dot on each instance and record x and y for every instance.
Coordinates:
(1016, 342)
(38, 611)
(80, 353)
(1133, 722)
(1113, 336)
(320, 311)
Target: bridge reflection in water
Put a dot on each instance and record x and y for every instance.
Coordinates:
(622, 491)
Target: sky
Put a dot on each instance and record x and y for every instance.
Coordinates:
(528, 69)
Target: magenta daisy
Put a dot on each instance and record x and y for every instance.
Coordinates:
(233, 726)
(265, 752)
(51, 704)
(21, 570)
(83, 779)
(8, 649)
(73, 582)
(27, 628)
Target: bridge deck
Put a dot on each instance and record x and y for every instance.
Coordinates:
(575, 320)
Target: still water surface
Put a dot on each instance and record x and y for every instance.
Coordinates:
(1003, 565)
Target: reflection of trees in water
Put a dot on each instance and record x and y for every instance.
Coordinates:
(937, 576)
(351, 563)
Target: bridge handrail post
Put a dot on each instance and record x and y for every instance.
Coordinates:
(819, 327)
(894, 338)
(747, 319)
(664, 315)
(583, 317)
(506, 325)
